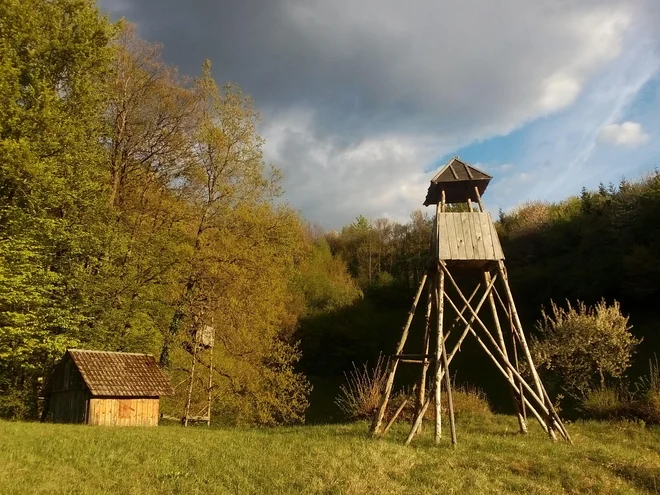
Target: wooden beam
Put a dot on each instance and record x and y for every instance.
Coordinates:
(439, 303)
(378, 419)
(500, 337)
(498, 352)
(396, 415)
(421, 392)
(445, 364)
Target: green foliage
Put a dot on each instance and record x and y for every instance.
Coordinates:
(323, 281)
(583, 346)
(137, 209)
(384, 247)
(54, 56)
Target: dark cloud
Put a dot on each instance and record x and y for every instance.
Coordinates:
(343, 83)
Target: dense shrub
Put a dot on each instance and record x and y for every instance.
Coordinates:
(581, 347)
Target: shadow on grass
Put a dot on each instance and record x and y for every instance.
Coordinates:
(645, 478)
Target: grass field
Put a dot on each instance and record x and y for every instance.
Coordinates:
(332, 459)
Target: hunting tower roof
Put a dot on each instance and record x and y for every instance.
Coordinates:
(458, 179)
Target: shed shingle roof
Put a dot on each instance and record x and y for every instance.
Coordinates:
(121, 373)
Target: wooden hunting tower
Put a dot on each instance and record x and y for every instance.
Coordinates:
(467, 241)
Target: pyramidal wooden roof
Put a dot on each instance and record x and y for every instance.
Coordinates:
(121, 374)
(458, 179)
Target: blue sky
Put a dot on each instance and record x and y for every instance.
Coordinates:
(554, 156)
(362, 101)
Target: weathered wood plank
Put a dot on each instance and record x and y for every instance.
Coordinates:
(477, 253)
(479, 238)
(466, 225)
(467, 236)
(451, 237)
(443, 235)
(499, 253)
(484, 222)
(460, 237)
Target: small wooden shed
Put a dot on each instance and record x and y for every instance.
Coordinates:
(105, 388)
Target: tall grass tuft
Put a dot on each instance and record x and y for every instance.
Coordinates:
(608, 403)
(360, 396)
(648, 392)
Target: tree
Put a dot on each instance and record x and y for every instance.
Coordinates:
(54, 56)
(235, 265)
(151, 114)
(584, 346)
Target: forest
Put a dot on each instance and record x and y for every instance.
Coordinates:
(136, 210)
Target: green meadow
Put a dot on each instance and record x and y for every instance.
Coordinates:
(608, 457)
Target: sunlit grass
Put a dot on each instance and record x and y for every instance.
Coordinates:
(334, 459)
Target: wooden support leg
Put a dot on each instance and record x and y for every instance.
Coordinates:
(514, 346)
(421, 393)
(500, 337)
(418, 421)
(523, 341)
(539, 402)
(378, 419)
(537, 397)
(396, 415)
(439, 304)
(445, 363)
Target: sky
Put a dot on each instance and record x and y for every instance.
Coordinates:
(363, 100)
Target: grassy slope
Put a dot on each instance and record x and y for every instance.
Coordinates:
(341, 459)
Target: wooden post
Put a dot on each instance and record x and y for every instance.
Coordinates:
(396, 415)
(514, 344)
(547, 426)
(521, 335)
(378, 419)
(478, 196)
(445, 364)
(539, 402)
(208, 420)
(500, 337)
(421, 393)
(523, 342)
(186, 414)
(483, 326)
(417, 423)
(419, 414)
(439, 304)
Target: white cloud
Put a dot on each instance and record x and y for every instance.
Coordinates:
(626, 134)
